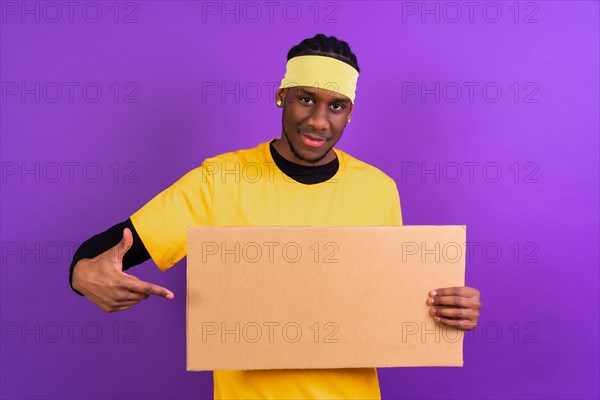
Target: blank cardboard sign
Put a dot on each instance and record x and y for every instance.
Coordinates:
(320, 297)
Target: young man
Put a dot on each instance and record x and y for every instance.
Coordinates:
(298, 179)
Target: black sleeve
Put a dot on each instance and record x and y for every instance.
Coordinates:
(98, 244)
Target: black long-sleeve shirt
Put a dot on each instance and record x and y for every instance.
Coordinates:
(138, 253)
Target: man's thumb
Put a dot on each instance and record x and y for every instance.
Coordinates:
(127, 240)
(123, 246)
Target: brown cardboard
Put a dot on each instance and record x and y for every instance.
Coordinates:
(359, 301)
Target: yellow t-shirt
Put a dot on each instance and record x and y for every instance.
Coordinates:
(246, 187)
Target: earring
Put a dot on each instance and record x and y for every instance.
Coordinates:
(279, 103)
(349, 119)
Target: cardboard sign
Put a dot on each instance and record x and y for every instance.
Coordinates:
(320, 297)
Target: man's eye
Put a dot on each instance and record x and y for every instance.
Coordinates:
(339, 107)
(305, 98)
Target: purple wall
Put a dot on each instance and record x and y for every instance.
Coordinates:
(485, 116)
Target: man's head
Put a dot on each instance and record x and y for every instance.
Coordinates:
(314, 117)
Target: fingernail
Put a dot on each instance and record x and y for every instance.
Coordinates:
(433, 293)
(430, 300)
(437, 319)
(433, 310)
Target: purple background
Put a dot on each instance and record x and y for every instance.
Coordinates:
(538, 333)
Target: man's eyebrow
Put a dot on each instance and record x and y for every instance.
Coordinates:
(334, 100)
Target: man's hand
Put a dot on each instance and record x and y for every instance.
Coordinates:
(102, 280)
(455, 306)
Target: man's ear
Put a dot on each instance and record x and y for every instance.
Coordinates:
(280, 97)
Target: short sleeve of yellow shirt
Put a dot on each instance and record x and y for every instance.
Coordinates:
(162, 222)
(246, 188)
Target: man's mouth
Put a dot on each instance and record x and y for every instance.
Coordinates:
(312, 140)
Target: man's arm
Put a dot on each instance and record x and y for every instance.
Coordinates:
(96, 271)
(106, 240)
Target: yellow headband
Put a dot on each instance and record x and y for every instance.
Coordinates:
(321, 72)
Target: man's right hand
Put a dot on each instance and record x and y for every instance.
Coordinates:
(102, 280)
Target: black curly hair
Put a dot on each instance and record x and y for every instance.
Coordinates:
(321, 45)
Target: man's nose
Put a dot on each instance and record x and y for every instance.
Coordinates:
(318, 118)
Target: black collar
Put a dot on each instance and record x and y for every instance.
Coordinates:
(308, 175)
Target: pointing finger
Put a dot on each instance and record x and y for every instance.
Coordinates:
(148, 288)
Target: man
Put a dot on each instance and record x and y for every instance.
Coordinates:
(298, 179)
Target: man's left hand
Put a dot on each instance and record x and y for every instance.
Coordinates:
(455, 306)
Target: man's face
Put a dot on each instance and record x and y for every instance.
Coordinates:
(313, 122)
